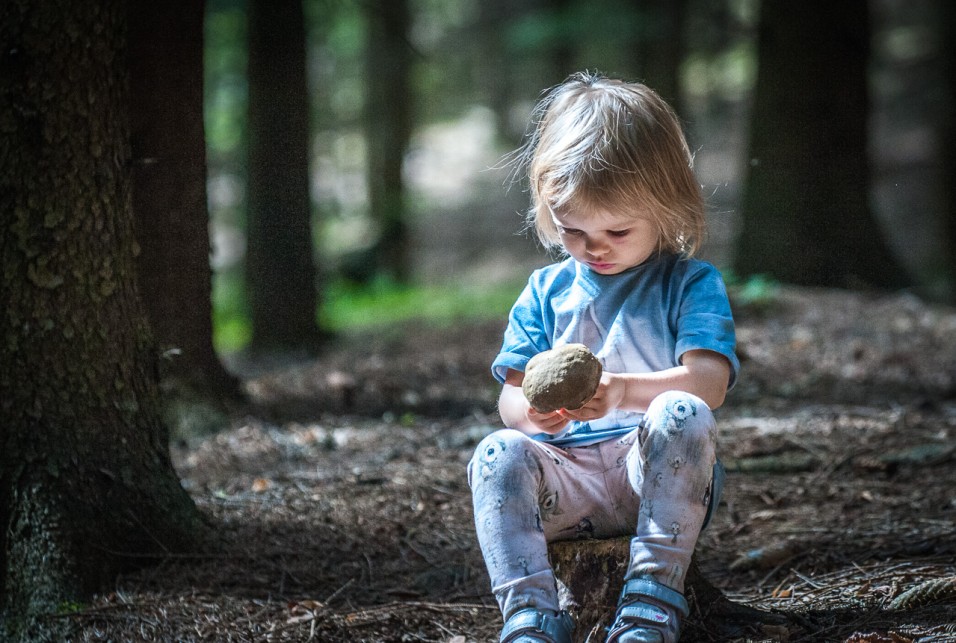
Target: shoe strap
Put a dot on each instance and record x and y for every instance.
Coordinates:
(555, 628)
(643, 586)
(643, 613)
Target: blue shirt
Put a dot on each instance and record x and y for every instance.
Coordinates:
(639, 321)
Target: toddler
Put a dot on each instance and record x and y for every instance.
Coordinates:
(612, 185)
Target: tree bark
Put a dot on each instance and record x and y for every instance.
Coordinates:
(388, 127)
(169, 189)
(281, 277)
(946, 291)
(806, 213)
(86, 484)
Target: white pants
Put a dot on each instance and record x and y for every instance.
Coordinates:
(655, 482)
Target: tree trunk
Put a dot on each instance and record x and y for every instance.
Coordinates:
(946, 291)
(660, 47)
(388, 126)
(281, 276)
(169, 189)
(86, 484)
(591, 574)
(806, 214)
(493, 67)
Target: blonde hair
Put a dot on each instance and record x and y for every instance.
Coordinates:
(601, 142)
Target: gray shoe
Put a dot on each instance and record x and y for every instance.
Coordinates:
(533, 626)
(647, 612)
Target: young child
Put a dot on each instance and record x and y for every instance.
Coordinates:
(612, 184)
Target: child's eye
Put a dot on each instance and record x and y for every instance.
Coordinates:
(571, 231)
(619, 233)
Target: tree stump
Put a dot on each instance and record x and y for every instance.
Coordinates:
(590, 575)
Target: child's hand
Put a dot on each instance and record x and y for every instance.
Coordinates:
(518, 413)
(609, 395)
(550, 423)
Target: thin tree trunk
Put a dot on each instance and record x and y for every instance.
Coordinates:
(169, 188)
(661, 47)
(86, 484)
(388, 129)
(280, 270)
(492, 65)
(946, 290)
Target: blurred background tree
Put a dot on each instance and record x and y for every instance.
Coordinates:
(169, 190)
(388, 129)
(806, 212)
(947, 137)
(820, 162)
(281, 283)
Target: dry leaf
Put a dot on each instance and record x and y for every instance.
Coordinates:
(767, 557)
(306, 605)
(260, 484)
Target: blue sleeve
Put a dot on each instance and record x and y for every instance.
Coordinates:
(526, 334)
(705, 320)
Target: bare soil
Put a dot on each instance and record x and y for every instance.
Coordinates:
(340, 511)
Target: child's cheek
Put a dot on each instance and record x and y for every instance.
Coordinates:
(573, 246)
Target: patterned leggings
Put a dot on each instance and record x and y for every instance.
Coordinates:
(660, 477)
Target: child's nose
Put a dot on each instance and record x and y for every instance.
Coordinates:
(596, 247)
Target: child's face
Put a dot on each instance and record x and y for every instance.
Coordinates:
(607, 242)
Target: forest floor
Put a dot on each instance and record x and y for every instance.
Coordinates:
(341, 511)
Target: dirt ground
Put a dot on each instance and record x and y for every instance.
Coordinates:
(341, 510)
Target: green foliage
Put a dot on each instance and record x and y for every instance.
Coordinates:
(69, 607)
(336, 35)
(384, 303)
(755, 293)
(729, 74)
(758, 288)
(337, 26)
(225, 66)
(231, 326)
(618, 22)
(380, 304)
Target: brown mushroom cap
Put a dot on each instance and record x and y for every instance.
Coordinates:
(565, 377)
